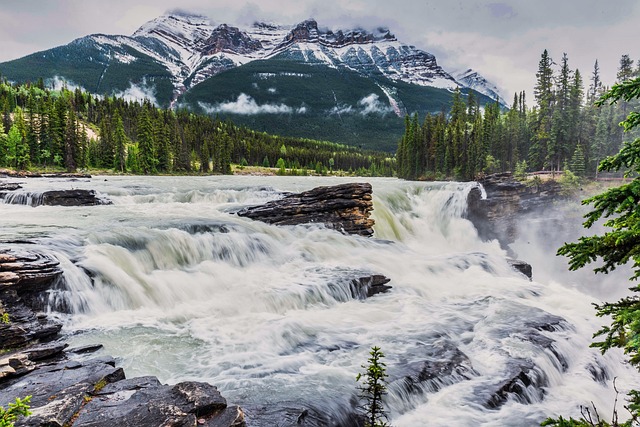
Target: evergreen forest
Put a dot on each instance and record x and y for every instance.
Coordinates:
(42, 128)
(563, 130)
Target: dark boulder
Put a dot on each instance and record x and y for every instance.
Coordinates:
(344, 207)
(143, 402)
(521, 266)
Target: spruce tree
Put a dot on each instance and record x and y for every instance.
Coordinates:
(543, 92)
(120, 142)
(146, 147)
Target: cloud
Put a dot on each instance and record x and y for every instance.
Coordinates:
(371, 104)
(57, 83)
(139, 93)
(502, 39)
(272, 90)
(246, 105)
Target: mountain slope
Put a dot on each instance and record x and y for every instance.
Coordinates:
(351, 86)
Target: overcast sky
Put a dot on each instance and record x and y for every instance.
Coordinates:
(502, 40)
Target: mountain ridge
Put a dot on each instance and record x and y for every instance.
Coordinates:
(176, 56)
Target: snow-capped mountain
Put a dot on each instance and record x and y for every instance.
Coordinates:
(343, 85)
(192, 49)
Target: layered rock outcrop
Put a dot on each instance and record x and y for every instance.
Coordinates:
(69, 389)
(507, 200)
(344, 207)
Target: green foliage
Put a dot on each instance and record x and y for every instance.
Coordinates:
(491, 164)
(19, 408)
(521, 171)
(54, 127)
(280, 164)
(592, 418)
(569, 182)
(620, 206)
(374, 388)
(4, 318)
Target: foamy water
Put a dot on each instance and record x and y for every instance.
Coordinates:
(175, 285)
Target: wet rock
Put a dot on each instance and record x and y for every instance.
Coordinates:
(9, 186)
(90, 392)
(71, 198)
(58, 390)
(521, 266)
(513, 326)
(344, 207)
(74, 197)
(427, 368)
(524, 383)
(369, 286)
(145, 402)
(498, 216)
(85, 349)
(24, 275)
(286, 414)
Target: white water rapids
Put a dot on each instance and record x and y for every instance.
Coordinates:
(174, 285)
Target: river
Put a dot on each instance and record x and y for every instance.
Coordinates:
(174, 285)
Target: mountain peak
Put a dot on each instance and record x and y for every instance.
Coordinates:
(176, 24)
(474, 80)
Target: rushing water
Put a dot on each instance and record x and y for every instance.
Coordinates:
(175, 285)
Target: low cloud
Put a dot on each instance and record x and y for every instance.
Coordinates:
(370, 104)
(138, 93)
(246, 105)
(57, 83)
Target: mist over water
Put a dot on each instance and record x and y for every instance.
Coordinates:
(175, 285)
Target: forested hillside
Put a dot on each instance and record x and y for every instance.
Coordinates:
(76, 130)
(563, 129)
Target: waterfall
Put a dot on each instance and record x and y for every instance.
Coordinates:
(175, 285)
(23, 198)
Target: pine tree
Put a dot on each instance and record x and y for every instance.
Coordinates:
(596, 84)
(374, 389)
(120, 142)
(146, 147)
(18, 148)
(625, 69)
(543, 91)
(558, 142)
(4, 146)
(71, 142)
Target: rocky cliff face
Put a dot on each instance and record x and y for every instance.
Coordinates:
(230, 39)
(507, 202)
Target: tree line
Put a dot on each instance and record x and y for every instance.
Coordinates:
(563, 130)
(73, 129)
